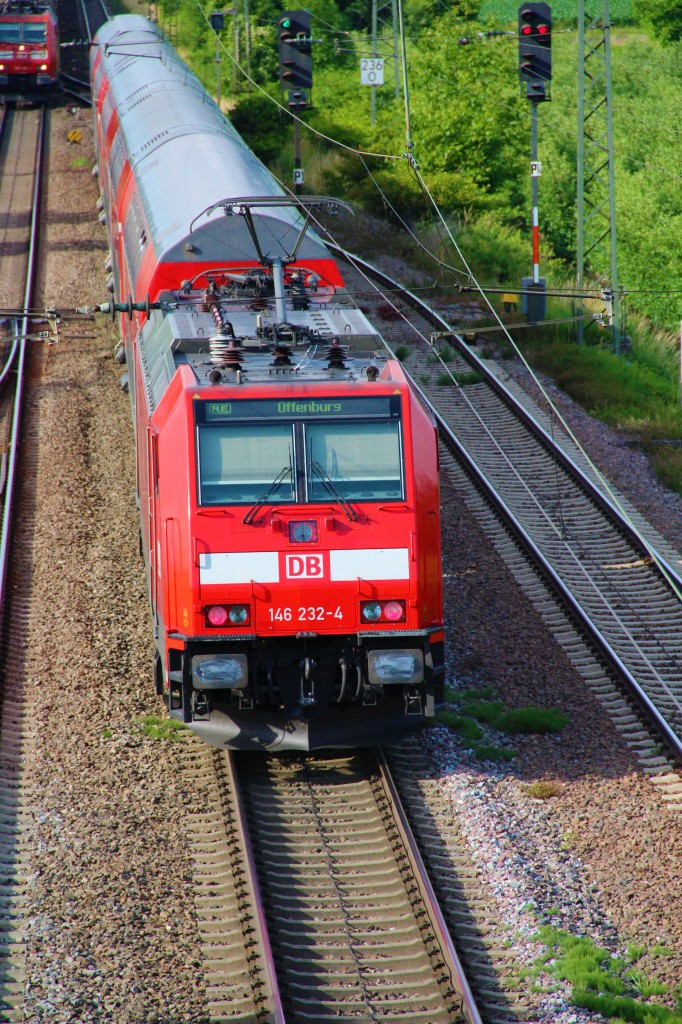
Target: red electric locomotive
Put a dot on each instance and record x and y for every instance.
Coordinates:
(29, 47)
(287, 472)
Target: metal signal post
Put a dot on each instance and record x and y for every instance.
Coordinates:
(535, 73)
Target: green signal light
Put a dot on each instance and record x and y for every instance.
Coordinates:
(286, 23)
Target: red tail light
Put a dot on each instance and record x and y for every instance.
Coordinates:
(218, 616)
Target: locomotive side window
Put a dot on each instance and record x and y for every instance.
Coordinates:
(35, 32)
(361, 460)
(238, 463)
(10, 32)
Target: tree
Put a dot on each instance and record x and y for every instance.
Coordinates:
(664, 17)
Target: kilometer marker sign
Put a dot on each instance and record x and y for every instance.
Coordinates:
(372, 71)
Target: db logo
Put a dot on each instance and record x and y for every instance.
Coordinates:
(304, 567)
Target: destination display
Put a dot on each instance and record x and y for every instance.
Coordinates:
(382, 407)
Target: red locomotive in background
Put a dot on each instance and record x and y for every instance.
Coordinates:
(29, 47)
(287, 473)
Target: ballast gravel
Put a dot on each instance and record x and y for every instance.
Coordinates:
(110, 918)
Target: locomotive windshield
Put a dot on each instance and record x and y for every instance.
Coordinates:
(35, 32)
(236, 464)
(10, 32)
(299, 451)
(23, 32)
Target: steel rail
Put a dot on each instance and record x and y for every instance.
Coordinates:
(88, 25)
(9, 362)
(22, 333)
(277, 1015)
(72, 86)
(469, 1008)
(667, 572)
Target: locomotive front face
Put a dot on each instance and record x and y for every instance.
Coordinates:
(293, 471)
(28, 51)
(310, 594)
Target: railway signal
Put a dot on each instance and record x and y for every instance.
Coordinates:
(295, 52)
(535, 49)
(535, 70)
(296, 73)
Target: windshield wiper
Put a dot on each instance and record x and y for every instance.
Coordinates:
(331, 489)
(252, 514)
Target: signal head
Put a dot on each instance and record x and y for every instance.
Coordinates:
(535, 48)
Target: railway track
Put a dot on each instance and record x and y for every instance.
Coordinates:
(314, 904)
(79, 20)
(596, 558)
(21, 149)
(22, 137)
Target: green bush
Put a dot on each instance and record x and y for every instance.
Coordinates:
(261, 125)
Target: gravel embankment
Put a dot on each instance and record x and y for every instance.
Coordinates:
(111, 918)
(603, 857)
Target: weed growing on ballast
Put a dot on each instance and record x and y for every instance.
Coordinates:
(472, 710)
(160, 728)
(601, 982)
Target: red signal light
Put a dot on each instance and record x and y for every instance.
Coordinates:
(526, 30)
(543, 30)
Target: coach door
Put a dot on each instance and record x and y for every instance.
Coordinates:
(152, 522)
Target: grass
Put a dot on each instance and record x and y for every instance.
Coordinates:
(532, 720)
(505, 11)
(489, 752)
(466, 728)
(543, 790)
(157, 728)
(638, 395)
(461, 380)
(477, 709)
(603, 984)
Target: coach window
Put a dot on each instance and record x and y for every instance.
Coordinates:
(361, 460)
(240, 462)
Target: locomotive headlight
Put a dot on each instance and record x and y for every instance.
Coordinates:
(303, 531)
(220, 671)
(405, 667)
(371, 611)
(238, 614)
